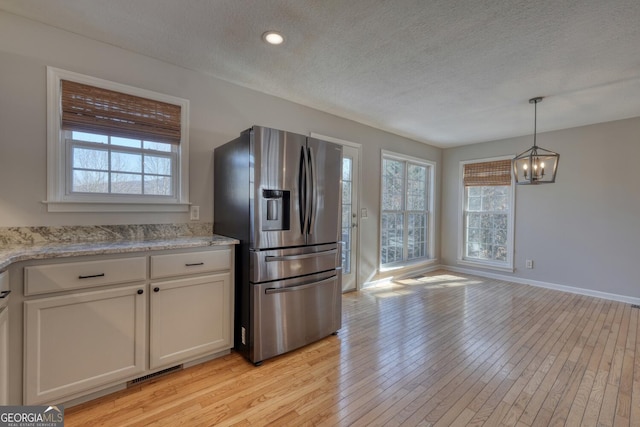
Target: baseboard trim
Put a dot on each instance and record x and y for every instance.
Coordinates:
(547, 285)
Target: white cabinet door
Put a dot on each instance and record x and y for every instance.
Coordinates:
(4, 355)
(189, 318)
(74, 343)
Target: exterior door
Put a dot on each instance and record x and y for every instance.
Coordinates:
(349, 226)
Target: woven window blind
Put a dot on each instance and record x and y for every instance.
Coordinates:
(487, 173)
(88, 108)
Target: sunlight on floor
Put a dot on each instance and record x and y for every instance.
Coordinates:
(399, 287)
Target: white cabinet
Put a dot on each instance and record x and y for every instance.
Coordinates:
(191, 314)
(77, 342)
(189, 318)
(95, 323)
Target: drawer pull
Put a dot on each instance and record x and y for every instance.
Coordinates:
(194, 264)
(156, 289)
(4, 294)
(91, 276)
(140, 292)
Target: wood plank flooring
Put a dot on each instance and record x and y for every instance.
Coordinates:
(444, 349)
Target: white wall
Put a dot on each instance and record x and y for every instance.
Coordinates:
(219, 112)
(583, 231)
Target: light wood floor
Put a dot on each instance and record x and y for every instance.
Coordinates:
(443, 350)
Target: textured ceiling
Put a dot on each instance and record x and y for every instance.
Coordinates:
(446, 72)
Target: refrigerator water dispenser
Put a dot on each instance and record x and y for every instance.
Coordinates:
(275, 210)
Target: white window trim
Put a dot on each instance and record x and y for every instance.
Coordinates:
(58, 200)
(506, 266)
(431, 217)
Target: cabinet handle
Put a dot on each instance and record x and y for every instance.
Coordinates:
(140, 291)
(4, 294)
(91, 276)
(195, 263)
(156, 289)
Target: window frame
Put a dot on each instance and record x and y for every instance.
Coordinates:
(430, 212)
(60, 198)
(507, 265)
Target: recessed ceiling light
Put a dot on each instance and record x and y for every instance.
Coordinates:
(273, 37)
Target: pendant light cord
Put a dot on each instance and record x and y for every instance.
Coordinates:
(535, 122)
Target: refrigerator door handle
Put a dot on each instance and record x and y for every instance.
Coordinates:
(270, 258)
(302, 185)
(308, 190)
(313, 195)
(299, 287)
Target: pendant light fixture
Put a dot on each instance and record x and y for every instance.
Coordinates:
(536, 165)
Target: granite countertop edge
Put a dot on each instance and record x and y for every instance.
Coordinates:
(17, 253)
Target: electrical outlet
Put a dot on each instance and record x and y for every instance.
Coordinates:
(363, 213)
(194, 213)
(529, 263)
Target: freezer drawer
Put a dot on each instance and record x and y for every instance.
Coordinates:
(289, 314)
(284, 263)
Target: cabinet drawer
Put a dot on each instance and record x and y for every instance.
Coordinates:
(77, 275)
(190, 263)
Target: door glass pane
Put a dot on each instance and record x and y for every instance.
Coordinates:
(347, 188)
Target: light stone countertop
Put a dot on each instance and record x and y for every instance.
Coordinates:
(18, 253)
(12, 253)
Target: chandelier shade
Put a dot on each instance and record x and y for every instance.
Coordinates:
(537, 165)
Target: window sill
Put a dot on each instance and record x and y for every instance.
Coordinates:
(56, 206)
(487, 265)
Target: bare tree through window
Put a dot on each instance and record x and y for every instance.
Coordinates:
(111, 165)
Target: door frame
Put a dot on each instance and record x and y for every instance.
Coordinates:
(356, 201)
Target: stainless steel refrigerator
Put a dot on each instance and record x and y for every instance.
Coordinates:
(279, 194)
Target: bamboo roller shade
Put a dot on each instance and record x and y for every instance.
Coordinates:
(92, 109)
(487, 173)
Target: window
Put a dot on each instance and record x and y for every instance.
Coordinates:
(405, 222)
(487, 214)
(114, 148)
